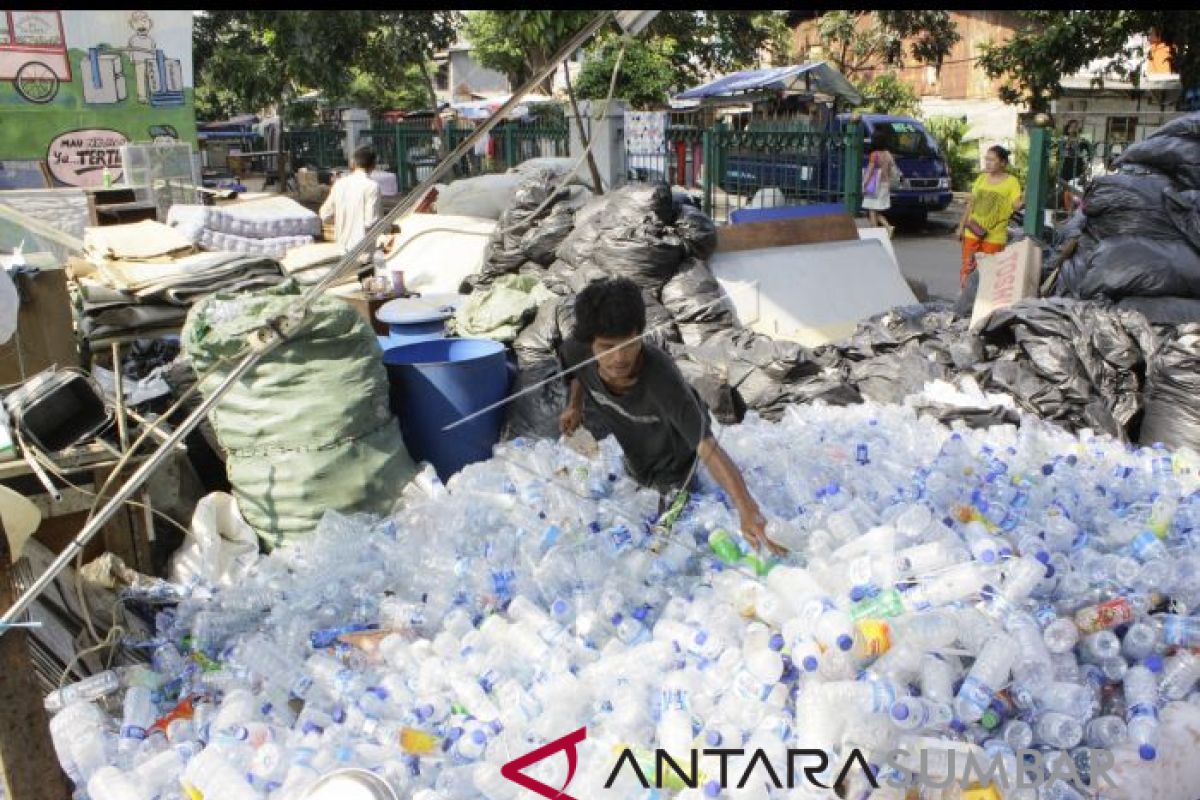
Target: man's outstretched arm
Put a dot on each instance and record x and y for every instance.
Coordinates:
(727, 474)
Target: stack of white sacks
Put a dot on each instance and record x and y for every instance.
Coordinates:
(268, 227)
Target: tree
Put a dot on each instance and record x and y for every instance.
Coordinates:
(248, 60)
(401, 45)
(1054, 44)
(519, 43)
(889, 95)
(646, 76)
(862, 40)
(695, 43)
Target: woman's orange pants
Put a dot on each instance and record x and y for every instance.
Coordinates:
(970, 247)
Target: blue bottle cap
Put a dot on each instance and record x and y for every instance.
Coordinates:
(810, 663)
(712, 738)
(479, 737)
(957, 726)
(559, 607)
(617, 619)
(1154, 663)
(856, 594)
(776, 642)
(712, 789)
(900, 711)
(1147, 752)
(845, 642)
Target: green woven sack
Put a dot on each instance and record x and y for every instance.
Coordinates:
(309, 427)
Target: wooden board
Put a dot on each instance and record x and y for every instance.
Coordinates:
(45, 329)
(786, 232)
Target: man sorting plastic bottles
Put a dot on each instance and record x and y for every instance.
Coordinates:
(641, 396)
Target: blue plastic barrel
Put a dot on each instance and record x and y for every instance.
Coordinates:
(440, 381)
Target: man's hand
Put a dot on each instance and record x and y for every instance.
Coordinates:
(570, 420)
(754, 528)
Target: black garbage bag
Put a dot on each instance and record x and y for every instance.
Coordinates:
(535, 412)
(1164, 310)
(541, 243)
(891, 377)
(697, 231)
(1128, 205)
(557, 277)
(693, 296)
(635, 203)
(647, 253)
(1174, 149)
(1172, 414)
(1071, 361)
(1184, 210)
(1123, 266)
(540, 338)
(898, 327)
(713, 389)
(576, 249)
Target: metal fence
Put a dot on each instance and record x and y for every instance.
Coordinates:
(412, 149)
(782, 165)
(315, 148)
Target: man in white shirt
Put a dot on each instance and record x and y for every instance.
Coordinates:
(355, 202)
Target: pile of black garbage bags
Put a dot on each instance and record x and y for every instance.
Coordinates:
(1137, 240)
(1080, 363)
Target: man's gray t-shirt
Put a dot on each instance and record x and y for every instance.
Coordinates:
(659, 423)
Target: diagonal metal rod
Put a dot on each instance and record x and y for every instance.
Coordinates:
(277, 331)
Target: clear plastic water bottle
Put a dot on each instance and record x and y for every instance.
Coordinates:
(1105, 732)
(91, 688)
(989, 674)
(1141, 715)
(1058, 730)
(917, 713)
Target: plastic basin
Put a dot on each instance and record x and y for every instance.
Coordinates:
(440, 381)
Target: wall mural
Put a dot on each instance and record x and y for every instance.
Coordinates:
(76, 85)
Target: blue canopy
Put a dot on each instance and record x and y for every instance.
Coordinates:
(808, 78)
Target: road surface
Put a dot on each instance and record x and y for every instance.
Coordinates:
(931, 253)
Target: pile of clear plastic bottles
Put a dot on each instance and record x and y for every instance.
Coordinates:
(1004, 590)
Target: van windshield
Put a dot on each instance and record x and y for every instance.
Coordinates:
(906, 139)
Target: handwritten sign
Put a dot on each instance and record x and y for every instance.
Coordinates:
(1006, 278)
(78, 158)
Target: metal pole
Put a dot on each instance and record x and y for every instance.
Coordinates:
(290, 322)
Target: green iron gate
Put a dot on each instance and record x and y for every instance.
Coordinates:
(315, 148)
(412, 150)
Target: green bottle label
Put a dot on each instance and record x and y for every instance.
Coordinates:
(882, 605)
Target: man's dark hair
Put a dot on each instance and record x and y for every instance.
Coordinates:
(611, 307)
(364, 158)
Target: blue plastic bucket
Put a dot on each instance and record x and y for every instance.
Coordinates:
(440, 381)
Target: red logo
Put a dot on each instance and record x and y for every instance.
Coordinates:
(512, 770)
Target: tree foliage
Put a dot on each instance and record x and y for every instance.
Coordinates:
(962, 158)
(646, 77)
(860, 40)
(691, 44)
(248, 60)
(1053, 44)
(889, 95)
(519, 43)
